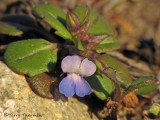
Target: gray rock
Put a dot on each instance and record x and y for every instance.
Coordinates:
(18, 102)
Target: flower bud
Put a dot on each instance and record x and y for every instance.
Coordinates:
(96, 39)
(73, 23)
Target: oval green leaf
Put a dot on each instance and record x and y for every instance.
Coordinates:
(108, 44)
(9, 29)
(122, 75)
(31, 57)
(99, 26)
(56, 18)
(143, 85)
(103, 86)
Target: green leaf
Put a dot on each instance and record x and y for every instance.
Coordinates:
(22, 22)
(56, 18)
(32, 56)
(143, 85)
(108, 44)
(122, 75)
(9, 29)
(103, 86)
(99, 26)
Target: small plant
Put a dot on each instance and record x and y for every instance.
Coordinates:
(86, 36)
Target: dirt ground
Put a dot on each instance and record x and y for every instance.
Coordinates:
(137, 27)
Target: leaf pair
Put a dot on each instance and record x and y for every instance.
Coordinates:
(33, 57)
(103, 87)
(57, 19)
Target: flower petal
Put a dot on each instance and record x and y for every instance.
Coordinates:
(67, 86)
(87, 68)
(71, 64)
(82, 87)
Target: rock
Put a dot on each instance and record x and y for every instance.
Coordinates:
(18, 102)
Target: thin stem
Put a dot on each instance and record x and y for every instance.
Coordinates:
(117, 96)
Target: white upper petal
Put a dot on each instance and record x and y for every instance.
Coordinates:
(87, 68)
(71, 64)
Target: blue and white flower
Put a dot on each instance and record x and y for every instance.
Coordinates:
(75, 68)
